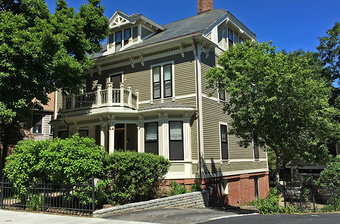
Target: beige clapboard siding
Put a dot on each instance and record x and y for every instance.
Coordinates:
(212, 115)
(139, 77)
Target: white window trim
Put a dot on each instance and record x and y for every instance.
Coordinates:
(162, 81)
(219, 137)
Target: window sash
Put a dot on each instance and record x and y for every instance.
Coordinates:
(167, 80)
(127, 35)
(176, 146)
(256, 151)
(151, 140)
(224, 141)
(156, 79)
(37, 124)
(221, 95)
(118, 37)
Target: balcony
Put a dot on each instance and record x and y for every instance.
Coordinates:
(109, 97)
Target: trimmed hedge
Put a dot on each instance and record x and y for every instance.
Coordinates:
(130, 177)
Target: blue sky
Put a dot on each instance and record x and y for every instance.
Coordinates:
(290, 24)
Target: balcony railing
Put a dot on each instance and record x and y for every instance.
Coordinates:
(122, 97)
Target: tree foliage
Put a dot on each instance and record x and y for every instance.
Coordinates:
(41, 52)
(329, 51)
(277, 100)
(60, 161)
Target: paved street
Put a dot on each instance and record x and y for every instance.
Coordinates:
(13, 217)
(178, 215)
(279, 219)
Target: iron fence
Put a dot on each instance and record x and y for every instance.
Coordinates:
(305, 195)
(48, 197)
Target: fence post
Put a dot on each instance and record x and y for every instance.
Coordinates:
(93, 200)
(44, 191)
(2, 192)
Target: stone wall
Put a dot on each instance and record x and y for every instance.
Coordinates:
(189, 200)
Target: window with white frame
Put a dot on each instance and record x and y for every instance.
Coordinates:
(176, 140)
(224, 141)
(224, 187)
(162, 81)
(222, 95)
(151, 137)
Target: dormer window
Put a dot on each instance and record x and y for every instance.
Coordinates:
(118, 40)
(231, 37)
(127, 36)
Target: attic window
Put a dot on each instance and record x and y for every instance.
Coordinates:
(127, 36)
(231, 37)
(118, 40)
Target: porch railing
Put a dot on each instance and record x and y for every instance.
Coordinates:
(117, 97)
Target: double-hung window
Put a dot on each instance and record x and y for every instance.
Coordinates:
(224, 141)
(37, 124)
(230, 37)
(222, 95)
(151, 138)
(162, 81)
(176, 140)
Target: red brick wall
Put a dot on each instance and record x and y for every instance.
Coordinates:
(204, 5)
(241, 188)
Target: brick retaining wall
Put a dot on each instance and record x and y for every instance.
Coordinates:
(189, 200)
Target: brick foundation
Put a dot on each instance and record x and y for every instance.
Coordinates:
(241, 188)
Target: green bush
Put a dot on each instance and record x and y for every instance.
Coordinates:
(195, 187)
(290, 209)
(270, 204)
(176, 189)
(34, 203)
(130, 177)
(68, 161)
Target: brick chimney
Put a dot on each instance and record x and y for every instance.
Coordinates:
(204, 5)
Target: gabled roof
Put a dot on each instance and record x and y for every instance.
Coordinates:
(200, 23)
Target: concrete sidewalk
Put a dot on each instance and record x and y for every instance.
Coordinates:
(7, 217)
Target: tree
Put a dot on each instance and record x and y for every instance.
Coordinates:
(277, 100)
(41, 52)
(329, 51)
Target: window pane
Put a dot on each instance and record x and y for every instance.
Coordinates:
(118, 37)
(222, 95)
(176, 131)
(157, 90)
(241, 40)
(230, 35)
(151, 131)
(167, 89)
(224, 133)
(111, 38)
(156, 74)
(127, 34)
(167, 72)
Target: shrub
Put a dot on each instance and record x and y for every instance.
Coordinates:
(329, 181)
(290, 209)
(270, 204)
(34, 203)
(176, 189)
(130, 177)
(68, 161)
(195, 187)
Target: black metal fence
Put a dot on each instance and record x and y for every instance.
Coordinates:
(47, 197)
(305, 195)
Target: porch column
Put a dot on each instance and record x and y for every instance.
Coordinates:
(102, 135)
(111, 138)
(140, 132)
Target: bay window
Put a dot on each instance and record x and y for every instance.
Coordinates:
(176, 140)
(151, 137)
